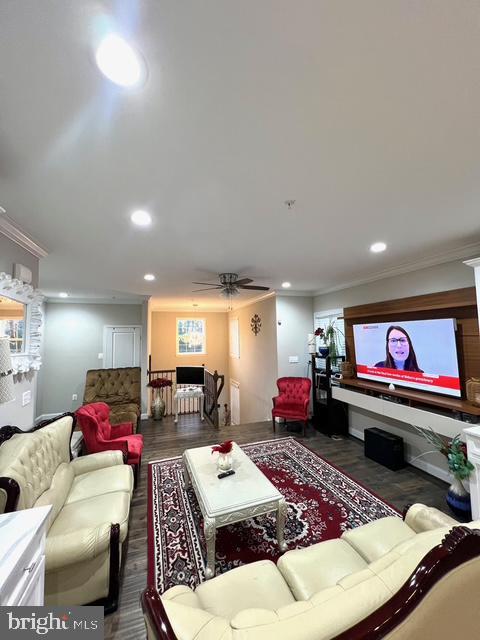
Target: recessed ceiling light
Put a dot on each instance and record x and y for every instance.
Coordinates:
(117, 60)
(149, 277)
(286, 285)
(378, 247)
(141, 218)
(63, 294)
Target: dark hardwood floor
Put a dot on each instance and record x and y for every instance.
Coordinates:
(165, 439)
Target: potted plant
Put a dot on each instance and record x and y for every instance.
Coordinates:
(158, 403)
(330, 336)
(458, 499)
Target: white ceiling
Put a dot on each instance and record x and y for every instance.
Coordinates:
(366, 113)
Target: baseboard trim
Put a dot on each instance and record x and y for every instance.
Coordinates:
(428, 467)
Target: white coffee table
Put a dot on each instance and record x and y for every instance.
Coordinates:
(246, 494)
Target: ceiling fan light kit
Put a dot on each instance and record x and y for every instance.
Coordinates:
(230, 285)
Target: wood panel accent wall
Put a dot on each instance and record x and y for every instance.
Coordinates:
(458, 303)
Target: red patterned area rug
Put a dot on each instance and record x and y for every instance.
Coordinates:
(323, 502)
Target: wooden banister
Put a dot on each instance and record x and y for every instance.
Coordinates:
(214, 383)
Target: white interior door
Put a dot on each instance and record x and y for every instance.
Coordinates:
(121, 346)
(234, 402)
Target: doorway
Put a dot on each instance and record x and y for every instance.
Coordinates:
(121, 346)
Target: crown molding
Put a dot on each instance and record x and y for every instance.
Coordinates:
(14, 232)
(247, 303)
(187, 311)
(84, 300)
(430, 261)
(214, 308)
(296, 293)
(473, 263)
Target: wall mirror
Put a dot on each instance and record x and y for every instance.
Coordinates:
(21, 320)
(12, 323)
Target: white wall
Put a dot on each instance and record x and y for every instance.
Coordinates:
(11, 253)
(73, 340)
(294, 323)
(443, 277)
(256, 369)
(12, 412)
(414, 444)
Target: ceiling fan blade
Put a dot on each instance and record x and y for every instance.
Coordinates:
(252, 287)
(243, 281)
(209, 284)
(207, 289)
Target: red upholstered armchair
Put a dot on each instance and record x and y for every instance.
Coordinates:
(292, 402)
(100, 435)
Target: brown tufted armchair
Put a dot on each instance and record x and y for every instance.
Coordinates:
(120, 389)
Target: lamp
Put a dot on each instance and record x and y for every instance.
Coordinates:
(6, 372)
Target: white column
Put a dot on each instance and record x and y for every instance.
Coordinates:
(473, 433)
(475, 264)
(472, 436)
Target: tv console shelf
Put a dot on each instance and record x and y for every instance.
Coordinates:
(412, 397)
(410, 407)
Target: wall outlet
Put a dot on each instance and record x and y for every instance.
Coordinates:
(100, 356)
(75, 396)
(293, 359)
(26, 398)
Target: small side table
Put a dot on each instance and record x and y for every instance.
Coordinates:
(22, 557)
(185, 393)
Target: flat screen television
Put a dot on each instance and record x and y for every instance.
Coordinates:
(191, 375)
(420, 354)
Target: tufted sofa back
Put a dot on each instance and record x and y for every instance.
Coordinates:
(114, 386)
(294, 389)
(32, 459)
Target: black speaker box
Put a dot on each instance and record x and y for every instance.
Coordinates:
(385, 448)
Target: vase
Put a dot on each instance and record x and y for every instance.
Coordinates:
(458, 499)
(224, 461)
(473, 391)
(347, 369)
(158, 405)
(323, 351)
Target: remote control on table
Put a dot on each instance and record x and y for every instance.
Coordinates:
(225, 474)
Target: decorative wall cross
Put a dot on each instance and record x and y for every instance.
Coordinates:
(256, 324)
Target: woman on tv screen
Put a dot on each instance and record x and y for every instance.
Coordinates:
(400, 353)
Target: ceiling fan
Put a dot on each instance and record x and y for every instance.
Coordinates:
(230, 285)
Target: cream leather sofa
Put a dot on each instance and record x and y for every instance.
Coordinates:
(323, 591)
(88, 523)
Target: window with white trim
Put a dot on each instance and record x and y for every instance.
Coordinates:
(234, 338)
(191, 336)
